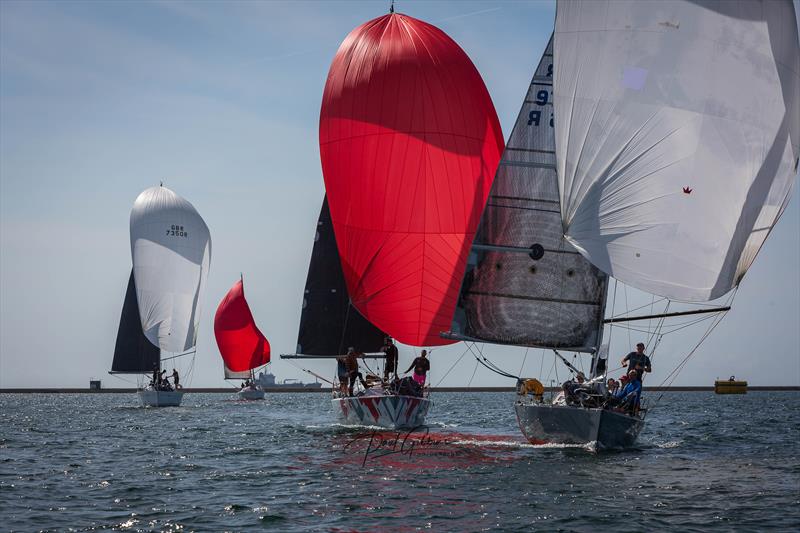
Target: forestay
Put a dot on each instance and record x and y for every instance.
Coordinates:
(677, 129)
(525, 285)
(171, 249)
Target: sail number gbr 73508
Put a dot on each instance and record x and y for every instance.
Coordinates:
(177, 231)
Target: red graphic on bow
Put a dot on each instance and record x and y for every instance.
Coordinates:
(687, 190)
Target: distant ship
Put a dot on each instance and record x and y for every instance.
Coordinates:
(267, 381)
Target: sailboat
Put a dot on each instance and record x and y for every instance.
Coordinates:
(242, 346)
(655, 175)
(409, 143)
(171, 253)
(329, 325)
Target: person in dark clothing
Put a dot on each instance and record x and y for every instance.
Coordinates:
(637, 361)
(342, 374)
(156, 378)
(176, 379)
(421, 365)
(390, 366)
(352, 369)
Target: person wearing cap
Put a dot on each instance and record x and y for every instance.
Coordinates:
(637, 361)
(390, 366)
(630, 395)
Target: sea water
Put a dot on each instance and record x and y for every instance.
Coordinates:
(94, 462)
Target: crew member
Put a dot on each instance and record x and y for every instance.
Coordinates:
(421, 365)
(390, 366)
(351, 362)
(637, 361)
(630, 395)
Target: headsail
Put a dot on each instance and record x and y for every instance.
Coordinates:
(171, 249)
(329, 324)
(133, 353)
(409, 143)
(525, 284)
(677, 129)
(242, 346)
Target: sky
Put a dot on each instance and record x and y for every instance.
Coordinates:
(101, 100)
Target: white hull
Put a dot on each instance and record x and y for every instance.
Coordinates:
(155, 398)
(251, 394)
(387, 411)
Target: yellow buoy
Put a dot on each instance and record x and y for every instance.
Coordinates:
(730, 386)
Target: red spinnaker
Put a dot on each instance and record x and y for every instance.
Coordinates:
(242, 346)
(409, 142)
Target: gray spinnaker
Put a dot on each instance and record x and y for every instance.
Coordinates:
(525, 284)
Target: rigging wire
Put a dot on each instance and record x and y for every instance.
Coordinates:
(523, 361)
(677, 370)
(473, 374)
(491, 366)
(309, 372)
(452, 366)
(541, 365)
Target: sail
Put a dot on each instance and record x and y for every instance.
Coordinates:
(409, 143)
(171, 249)
(329, 324)
(525, 284)
(133, 353)
(677, 127)
(242, 346)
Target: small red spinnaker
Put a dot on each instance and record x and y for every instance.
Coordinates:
(242, 346)
(409, 143)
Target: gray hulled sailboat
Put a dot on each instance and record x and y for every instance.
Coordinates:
(649, 170)
(526, 285)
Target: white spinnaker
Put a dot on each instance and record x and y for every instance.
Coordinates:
(677, 130)
(171, 249)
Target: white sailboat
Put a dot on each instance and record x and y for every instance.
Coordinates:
(171, 252)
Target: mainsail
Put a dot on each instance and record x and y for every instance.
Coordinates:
(242, 346)
(525, 284)
(677, 130)
(133, 353)
(329, 324)
(409, 143)
(171, 249)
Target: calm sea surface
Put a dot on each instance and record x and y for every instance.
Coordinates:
(88, 462)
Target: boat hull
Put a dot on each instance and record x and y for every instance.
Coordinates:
(251, 394)
(158, 398)
(397, 412)
(561, 424)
